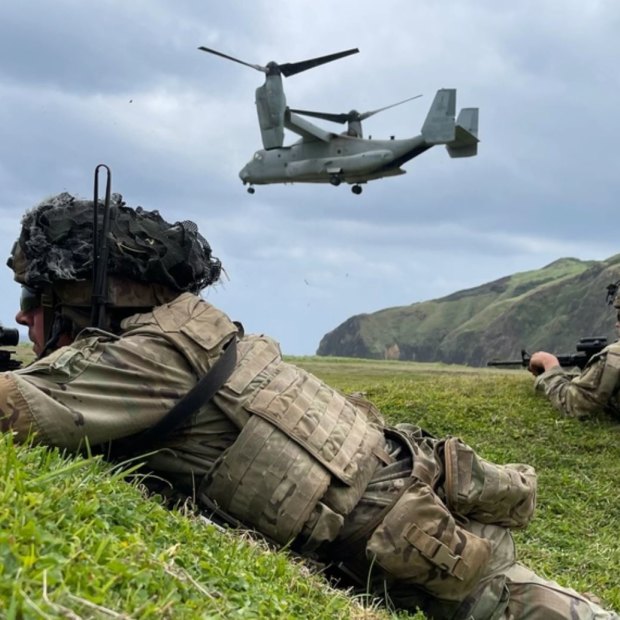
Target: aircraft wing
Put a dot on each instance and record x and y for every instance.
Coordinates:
(304, 128)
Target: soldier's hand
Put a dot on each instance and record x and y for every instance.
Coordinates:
(542, 361)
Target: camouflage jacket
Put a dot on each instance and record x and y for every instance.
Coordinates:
(276, 448)
(595, 389)
(290, 456)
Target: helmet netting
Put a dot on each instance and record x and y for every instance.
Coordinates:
(57, 244)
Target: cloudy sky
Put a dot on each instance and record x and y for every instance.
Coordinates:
(121, 82)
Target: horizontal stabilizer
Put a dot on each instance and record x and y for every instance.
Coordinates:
(465, 143)
(439, 125)
(468, 119)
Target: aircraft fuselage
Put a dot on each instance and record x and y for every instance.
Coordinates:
(345, 158)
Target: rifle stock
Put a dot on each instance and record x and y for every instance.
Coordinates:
(586, 349)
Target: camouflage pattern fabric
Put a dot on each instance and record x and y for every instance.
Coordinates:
(300, 441)
(533, 598)
(486, 492)
(424, 578)
(314, 442)
(508, 591)
(404, 534)
(15, 415)
(104, 388)
(595, 390)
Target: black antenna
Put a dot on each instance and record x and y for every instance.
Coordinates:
(99, 297)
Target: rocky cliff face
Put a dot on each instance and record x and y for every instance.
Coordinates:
(549, 309)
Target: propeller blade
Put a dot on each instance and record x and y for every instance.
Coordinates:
(365, 115)
(291, 68)
(241, 62)
(336, 118)
(353, 115)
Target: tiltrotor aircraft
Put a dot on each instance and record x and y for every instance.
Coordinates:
(322, 156)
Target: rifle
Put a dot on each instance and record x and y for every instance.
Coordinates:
(8, 338)
(586, 348)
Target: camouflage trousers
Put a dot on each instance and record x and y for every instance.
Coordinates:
(419, 543)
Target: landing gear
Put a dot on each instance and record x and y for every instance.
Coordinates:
(251, 190)
(335, 179)
(357, 189)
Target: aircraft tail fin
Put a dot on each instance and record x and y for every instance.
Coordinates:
(439, 126)
(465, 143)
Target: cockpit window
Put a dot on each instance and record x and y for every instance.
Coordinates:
(258, 156)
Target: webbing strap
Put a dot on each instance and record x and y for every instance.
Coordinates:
(200, 394)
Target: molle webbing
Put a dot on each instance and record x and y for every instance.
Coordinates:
(267, 481)
(319, 418)
(300, 441)
(304, 441)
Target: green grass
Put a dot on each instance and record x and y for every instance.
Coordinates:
(78, 541)
(574, 536)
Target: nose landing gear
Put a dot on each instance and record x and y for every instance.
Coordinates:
(357, 189)
(251, 190)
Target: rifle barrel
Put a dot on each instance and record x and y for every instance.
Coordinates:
(506, 363)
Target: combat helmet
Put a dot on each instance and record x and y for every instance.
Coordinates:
(613, 295)
(147, 262)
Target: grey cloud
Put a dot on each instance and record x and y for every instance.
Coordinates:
(123, 83)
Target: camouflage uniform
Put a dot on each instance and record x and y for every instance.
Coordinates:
(275, 449)
(596, 389)
(283, 453)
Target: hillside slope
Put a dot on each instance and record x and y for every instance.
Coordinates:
(548, 308)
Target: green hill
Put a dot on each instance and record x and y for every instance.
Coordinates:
(548, 309)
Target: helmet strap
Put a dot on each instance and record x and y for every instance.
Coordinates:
(49, 313)
(59, 325)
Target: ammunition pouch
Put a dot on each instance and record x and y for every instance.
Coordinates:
(420, 542)
(304, 454)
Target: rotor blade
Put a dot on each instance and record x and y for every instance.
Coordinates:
(336, 118)
(387, 107)
(241, 62)
(291, 68)
(353, 115)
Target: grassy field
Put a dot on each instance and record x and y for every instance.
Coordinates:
(78, 541)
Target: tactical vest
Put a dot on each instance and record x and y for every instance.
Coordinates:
(304, 454)
(609, 387)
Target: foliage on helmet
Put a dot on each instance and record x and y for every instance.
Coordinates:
(56, 244)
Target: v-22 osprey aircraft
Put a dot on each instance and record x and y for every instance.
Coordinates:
(322, 156)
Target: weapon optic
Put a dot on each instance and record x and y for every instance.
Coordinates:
(586, 349)
(8, 338)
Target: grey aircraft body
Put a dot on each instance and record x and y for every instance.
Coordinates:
(321, 156)
(324, 157)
